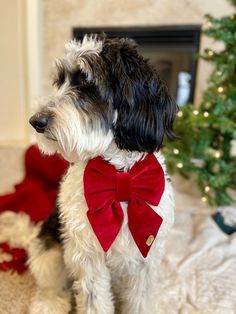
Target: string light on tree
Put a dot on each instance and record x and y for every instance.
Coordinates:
(207, 130)
(176, 151)
(180, 165)
(208, 105)
(180, 114)
(217, 154)
(220, 89)
(207, 189)
(204, 199)
(208, 24)
(210, 53)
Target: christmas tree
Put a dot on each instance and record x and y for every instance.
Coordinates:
(207, 134)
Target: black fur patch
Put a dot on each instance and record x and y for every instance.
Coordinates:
(72, 302)
(145, 109)
(77, 78)
(94, 106)
(50, 230)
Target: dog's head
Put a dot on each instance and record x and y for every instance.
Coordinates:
(105, 93)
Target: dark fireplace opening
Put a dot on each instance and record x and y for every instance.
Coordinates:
(171, 49)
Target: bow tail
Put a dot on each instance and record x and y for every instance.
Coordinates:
(106, 224)
(144, 225)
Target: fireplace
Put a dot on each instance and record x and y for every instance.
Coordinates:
(171, 49)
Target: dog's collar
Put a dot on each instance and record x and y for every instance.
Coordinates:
(105, 188)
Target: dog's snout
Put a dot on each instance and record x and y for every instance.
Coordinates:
(39, 122)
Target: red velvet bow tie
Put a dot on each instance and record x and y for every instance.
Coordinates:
(105, 188)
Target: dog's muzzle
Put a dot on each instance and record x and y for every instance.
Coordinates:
(39, 122)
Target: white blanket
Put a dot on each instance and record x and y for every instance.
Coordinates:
(199, 268)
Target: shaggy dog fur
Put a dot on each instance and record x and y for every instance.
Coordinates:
(109, 102)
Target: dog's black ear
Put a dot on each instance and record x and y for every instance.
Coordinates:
(101, 36)
(145, 110)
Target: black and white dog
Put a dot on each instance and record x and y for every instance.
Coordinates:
(109, 102)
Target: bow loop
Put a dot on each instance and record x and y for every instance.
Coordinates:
(105, 188)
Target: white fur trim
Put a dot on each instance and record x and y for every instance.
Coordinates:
(17, 229)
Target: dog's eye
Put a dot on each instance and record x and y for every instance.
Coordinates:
(78, 78)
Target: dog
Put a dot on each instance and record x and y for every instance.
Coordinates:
(109, 107)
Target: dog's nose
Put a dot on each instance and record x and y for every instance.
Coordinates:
(39, 122)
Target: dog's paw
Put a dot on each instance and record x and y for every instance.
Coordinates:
(48, 302)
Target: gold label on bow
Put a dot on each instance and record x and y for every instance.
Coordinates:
(150, 240)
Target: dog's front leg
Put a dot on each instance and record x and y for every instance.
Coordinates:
(92, 284)
(93, 292)
(48, 269)
(137, 292)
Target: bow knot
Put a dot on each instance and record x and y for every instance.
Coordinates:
(104, 189)
(122, 186)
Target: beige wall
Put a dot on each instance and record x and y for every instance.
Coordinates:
(59, 16)
(12, 75)
(20, 64)
(33, 32)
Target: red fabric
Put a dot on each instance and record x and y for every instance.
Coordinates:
(36, 194)
(18, 258)
(105, 187)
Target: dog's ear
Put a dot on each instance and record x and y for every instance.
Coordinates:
(145, 110)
